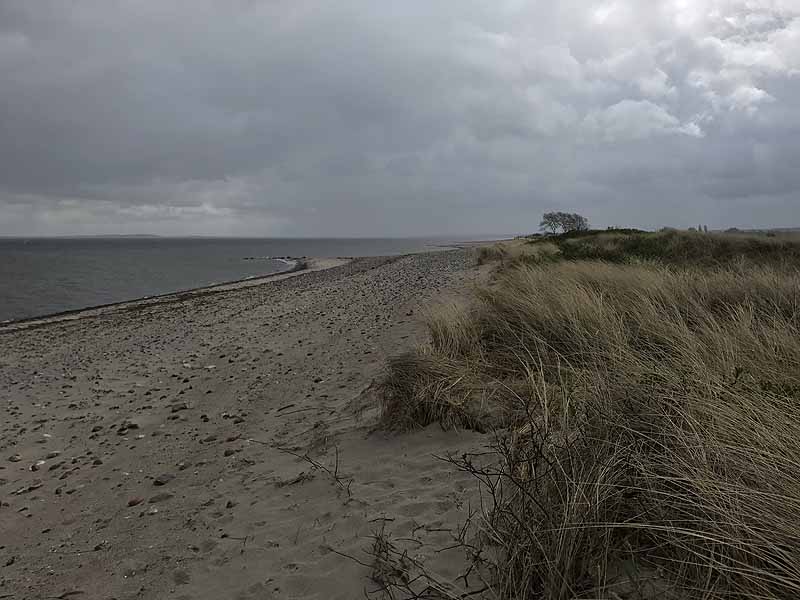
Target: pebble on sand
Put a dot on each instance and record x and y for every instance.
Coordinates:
(163, 479)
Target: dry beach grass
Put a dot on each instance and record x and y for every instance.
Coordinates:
(645, 409)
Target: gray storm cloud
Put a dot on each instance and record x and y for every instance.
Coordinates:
(305, 117)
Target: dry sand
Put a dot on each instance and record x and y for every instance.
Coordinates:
(127, 468)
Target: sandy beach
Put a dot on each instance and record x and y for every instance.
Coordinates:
(155, 450)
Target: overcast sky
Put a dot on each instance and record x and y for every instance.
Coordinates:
(412, 117)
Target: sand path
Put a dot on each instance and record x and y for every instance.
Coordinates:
(125, 466)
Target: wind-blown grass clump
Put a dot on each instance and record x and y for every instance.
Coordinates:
(444, 381)
(651, 426)
(518, 252)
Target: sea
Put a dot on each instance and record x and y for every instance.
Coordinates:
(43, 276)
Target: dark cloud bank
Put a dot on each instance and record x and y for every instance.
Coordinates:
(303, 117)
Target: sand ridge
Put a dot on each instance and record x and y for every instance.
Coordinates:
(153, 453)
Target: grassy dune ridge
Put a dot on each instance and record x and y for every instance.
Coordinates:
(644, 391)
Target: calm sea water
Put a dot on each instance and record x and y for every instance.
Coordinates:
(44, 276)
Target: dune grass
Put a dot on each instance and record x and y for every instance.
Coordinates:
(518, 252)
(647, 420)
(681, 248)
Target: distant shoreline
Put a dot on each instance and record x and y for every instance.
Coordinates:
(459, 240)
(301, 265)
(285, 263)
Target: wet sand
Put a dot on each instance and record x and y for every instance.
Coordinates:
(151, 450)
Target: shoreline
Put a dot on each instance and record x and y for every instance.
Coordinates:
(301, 266)
(311, 264)
(180, 430)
